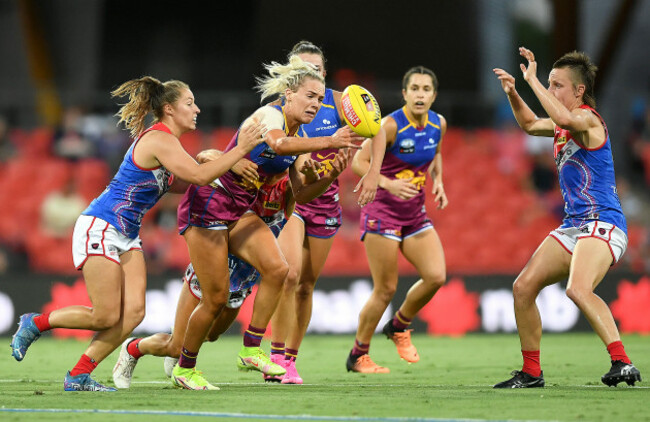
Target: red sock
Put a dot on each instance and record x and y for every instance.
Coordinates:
(617, 352)
(42, 322)
(133, 349)
(531, 363)
(85, 366)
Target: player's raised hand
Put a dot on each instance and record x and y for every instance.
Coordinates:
(310, 169)
(529, 71)
(340, 162)
(507, 80)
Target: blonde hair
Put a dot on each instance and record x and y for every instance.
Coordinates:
(286, 76)
(146, 95)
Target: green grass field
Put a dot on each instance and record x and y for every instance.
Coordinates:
(452, 381)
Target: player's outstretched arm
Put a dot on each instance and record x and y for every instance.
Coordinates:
(526, 118)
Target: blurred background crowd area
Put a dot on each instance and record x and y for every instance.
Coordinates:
(60, 145)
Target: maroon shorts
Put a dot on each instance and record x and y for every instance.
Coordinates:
(392, 229)
(210, 208)
(321, 225)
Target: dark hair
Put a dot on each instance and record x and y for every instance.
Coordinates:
(583, 71)
(421, 70)
(146, 94)
(306, 47)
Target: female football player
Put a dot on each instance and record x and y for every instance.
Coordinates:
(397, 219)
(593, 235)
(309, 234)
(209, 217)
(106, 244)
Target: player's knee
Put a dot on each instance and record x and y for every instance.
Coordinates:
(385, 294)
(292, 279)
(305, 290)
(577, 295)
(214, 303)
(523, 289)
(105, 320)
(435, 280)
(276, 274)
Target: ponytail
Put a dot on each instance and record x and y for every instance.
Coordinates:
(146, 95)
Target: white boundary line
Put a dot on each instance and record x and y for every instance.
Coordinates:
(245, 416)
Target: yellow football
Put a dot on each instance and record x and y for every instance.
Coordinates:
(361, 111)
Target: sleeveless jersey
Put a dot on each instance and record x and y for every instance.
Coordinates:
(268, 161)
(587, 180)
(408, 158)
(326, 123)
(132, 192)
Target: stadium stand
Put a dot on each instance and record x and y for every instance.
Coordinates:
(493, 223)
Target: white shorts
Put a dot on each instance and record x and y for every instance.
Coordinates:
(609, 233)
(93, 236)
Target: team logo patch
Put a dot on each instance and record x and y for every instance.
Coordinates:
(602, 232)
(95, 245)
(407, 146)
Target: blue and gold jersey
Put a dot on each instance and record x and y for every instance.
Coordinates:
(408, 158)
(326, 123)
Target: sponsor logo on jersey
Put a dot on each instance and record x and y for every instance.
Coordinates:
(275, 206)
(407, 146)
(268, 153)
(330, 126)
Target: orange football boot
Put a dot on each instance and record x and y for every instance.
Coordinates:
(363, 364)
(402, 341)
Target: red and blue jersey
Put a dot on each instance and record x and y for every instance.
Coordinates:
(587, 180)
(132, 192)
